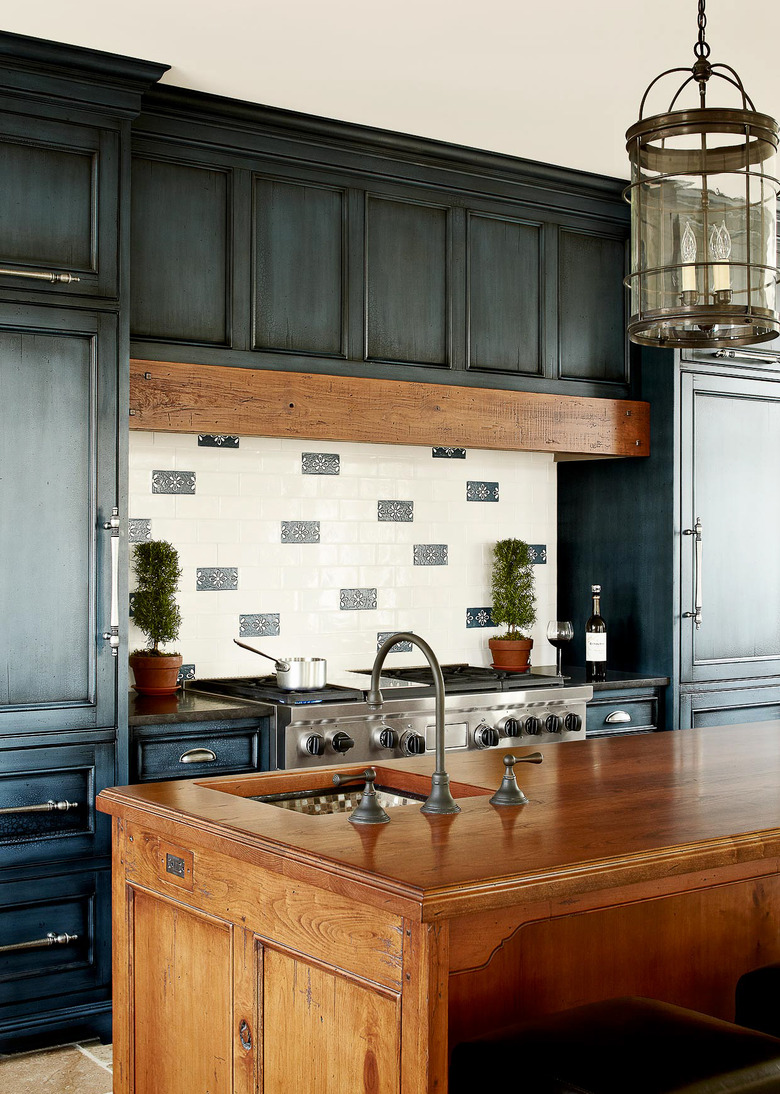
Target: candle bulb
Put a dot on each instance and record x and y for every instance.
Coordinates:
(688, 249)
(720, 250)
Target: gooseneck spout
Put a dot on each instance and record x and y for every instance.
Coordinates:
(440, 799)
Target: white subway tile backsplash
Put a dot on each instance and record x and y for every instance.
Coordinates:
(232, 525)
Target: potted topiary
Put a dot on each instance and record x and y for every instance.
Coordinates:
(514, 604)
(156, 613)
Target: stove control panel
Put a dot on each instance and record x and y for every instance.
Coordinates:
(317, 734)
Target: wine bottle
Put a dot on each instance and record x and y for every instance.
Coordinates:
(596, 640)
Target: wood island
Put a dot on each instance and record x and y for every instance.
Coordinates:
(257, 949)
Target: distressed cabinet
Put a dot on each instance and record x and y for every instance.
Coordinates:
(632, 526)
(64, 141)
(264, 246)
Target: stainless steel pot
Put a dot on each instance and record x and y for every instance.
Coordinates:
(295, 673)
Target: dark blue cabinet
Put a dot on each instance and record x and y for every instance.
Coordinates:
(265, 239)
(64, 154)
(631, 526)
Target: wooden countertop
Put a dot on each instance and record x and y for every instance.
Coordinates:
(602, 813)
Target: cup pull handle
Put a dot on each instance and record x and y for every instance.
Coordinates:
(617, 716)
(198, 756)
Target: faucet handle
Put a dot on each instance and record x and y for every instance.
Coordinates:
(509, 793)
(368, 810)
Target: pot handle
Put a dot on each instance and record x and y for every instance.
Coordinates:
(282, 666)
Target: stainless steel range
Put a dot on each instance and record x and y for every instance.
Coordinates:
(484, 708)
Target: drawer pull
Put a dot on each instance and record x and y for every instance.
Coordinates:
(51, 939)
(617, 716)
(45, 807)
(62, 278)
(198, 756)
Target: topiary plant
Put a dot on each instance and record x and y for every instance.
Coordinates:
(514, 599)
(155, 611)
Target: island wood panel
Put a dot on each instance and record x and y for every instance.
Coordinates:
(182, 981)
(190, 398)
(357, 938)
(326, 1034)
(689, 949)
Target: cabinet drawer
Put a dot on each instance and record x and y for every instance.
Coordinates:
(55, 939)
(47, 802)
(160, 753)
(621, 714)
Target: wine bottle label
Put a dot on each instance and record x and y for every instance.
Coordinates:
(596, 647)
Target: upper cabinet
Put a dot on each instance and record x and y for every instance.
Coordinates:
(60, 210)
(272, 240)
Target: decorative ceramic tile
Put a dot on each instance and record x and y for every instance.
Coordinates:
(216, 578)
(186, 672)
(481, 491)
(395, 510)
(132, 605)
(399, 647)
(173, 482)
(138, 530)
(357, 600)
(440, 453)
(538, 553)
(216, 440)
(479, 617)
(259, 625)
(300, 531)
(430, 554)
(320, 463)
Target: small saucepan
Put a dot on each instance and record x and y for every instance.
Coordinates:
(295, 673)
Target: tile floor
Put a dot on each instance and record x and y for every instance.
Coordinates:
(83, 1068)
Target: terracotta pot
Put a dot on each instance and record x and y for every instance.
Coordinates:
(156, 675)
(511, 654)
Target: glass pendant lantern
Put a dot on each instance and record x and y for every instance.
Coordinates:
(703, 197)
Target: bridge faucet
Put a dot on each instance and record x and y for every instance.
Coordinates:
(440, 799)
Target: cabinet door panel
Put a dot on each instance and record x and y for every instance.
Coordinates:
(407, 282)
(591, 307)
(730, 482)
(347, 1035)
(59, 210)
(180, 252)
(182, 981)
(57, 487)
(728, 708)
(299, 268)
(504, 295)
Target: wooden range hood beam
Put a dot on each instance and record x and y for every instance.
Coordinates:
(182, 398)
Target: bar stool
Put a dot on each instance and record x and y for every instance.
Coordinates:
(757, 1000)
(620, 1046)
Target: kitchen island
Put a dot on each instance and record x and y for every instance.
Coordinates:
(259, 949)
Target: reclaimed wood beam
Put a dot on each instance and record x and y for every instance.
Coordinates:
(171, 397)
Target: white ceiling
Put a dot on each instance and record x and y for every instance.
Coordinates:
(559, 83)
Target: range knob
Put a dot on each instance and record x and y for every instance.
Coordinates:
(533, 725)
(552, 723)
(412, 744)
(486, 736)
(572, 723)
(512, 727)
(342, 742)
(314, 745)
(388, 738)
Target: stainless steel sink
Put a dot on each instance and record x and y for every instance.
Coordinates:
(323, 801)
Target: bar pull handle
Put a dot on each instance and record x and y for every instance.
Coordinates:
(44, 807)
(764, 358)
(617, 716)
(695, 615)
(112, 635)
(46, 275)
(51, 939)
(198, 756)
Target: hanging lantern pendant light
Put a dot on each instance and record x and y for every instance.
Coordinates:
(703, 197)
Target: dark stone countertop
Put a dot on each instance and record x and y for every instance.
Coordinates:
(190, 706)
(576, 676)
